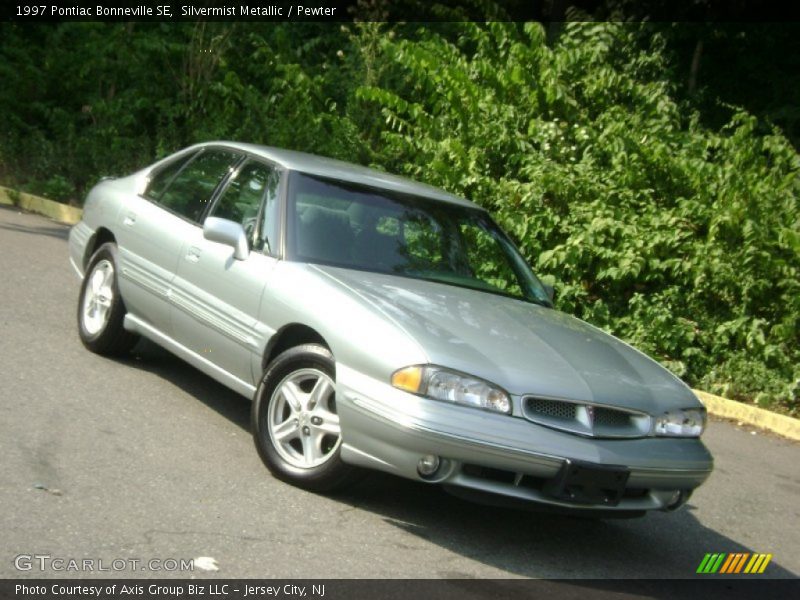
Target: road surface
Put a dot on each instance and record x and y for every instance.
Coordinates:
(146, 458)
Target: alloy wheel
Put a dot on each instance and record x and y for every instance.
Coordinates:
(99, 297)
(302, 419)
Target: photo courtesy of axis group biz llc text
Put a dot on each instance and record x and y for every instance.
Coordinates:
(171, 590)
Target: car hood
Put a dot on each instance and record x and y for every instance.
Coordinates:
(523, 347)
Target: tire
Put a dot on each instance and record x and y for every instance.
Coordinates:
(100, 307)
(295, 425)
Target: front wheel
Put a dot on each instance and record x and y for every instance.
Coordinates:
(295, 421)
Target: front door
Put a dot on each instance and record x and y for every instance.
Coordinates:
(216, 298)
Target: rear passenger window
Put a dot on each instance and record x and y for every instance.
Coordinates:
(193, 187)
(160, 180)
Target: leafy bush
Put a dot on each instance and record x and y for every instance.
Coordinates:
(56, 187)
(739, 377)
(678, 236)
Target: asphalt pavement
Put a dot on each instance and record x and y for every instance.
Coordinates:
(148, 459)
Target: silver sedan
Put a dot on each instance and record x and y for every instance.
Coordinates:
(381, 323)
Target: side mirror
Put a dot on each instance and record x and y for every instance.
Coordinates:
(551, 292)
(229, 233)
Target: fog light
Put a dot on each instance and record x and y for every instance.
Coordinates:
(428, 465)
(677, 500)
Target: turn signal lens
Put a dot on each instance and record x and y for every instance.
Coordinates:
(408, 379)
(689, 422)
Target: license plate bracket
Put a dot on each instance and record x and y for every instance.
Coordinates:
(587, 483)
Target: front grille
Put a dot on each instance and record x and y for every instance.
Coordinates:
(553, 409)
(610, 417)
(585, 419)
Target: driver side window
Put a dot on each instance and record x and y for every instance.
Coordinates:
(242, 199)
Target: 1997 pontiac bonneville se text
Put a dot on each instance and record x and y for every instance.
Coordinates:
(381, 323)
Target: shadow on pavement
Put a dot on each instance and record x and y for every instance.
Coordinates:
(517, 542)
(52, 229)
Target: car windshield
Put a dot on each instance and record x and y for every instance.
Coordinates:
(342, 224)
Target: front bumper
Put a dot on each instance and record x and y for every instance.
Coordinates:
(390, 430)
(79, 237)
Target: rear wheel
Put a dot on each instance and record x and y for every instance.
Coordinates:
(100, 307)
(295, 421)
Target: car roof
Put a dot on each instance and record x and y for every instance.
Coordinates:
(336, 169)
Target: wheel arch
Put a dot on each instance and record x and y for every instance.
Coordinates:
(289, 336)
(102, 236)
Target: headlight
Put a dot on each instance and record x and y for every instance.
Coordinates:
(689, 422)
(450, 386)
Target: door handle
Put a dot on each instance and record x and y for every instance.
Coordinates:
(129, 219)
(193, 254)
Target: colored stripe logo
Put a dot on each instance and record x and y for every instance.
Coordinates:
(734, 563)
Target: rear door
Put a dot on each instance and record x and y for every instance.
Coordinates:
(154, 227)
(216, 297)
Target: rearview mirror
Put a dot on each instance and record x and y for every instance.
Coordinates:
(229, 233)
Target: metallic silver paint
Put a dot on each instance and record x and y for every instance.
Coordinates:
(225, 232)
(194, 297)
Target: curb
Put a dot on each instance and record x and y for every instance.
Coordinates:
(42, 206)
(730, 409)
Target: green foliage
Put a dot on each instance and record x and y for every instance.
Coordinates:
(15, 196)
(739, 377)
(680, 239)
(675, 228)
(58, 188)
